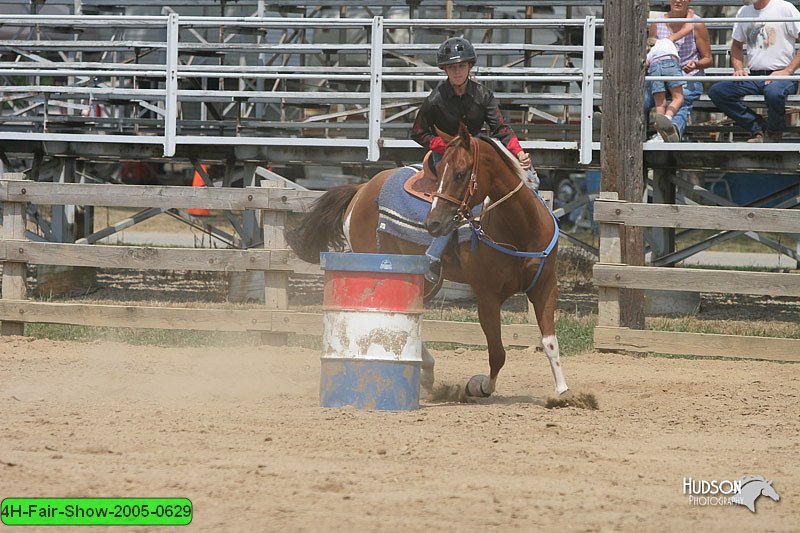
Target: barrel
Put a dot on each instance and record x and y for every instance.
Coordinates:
(372, 330)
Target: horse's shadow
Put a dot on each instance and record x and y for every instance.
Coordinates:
(492, 400)
(446, 394)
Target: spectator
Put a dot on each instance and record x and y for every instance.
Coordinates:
(770, 52)
(694, 51)
(662, 60)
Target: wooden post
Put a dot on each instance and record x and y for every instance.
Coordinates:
(608, 304)
(14, 274)
(276, 284)
(662, 239)
(623, 129)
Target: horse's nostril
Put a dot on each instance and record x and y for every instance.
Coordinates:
(433, 227)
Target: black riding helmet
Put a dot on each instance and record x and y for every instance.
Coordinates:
(455, 50)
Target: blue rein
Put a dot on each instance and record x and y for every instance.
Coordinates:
(479, 234)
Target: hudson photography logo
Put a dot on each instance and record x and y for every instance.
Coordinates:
(744, 491)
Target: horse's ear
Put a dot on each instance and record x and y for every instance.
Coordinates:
(445, 136)
(463, 132)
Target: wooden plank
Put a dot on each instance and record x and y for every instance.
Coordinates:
(699, 344)
(136, 257)
(43, 193)
(287, 260)
(699, 217)
(690, 279)
(276, 284)
(608, 306)
(608, 303)
(662, 240)
(278, 322)
(129, 316)
(14, 284)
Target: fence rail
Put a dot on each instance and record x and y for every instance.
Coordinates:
(610, 275)
(274, 260)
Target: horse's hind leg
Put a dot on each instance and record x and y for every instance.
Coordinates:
(543, 297)
(426, 372)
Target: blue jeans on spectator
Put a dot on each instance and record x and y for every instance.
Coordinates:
(727, 96)
(691, 92)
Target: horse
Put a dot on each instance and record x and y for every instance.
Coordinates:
(752, 488)
(513, 249)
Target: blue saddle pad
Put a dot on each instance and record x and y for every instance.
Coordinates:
(402, 215)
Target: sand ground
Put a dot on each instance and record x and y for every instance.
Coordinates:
(240, 433)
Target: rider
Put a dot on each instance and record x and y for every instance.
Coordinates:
(453, 101)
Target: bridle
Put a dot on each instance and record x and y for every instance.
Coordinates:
(464, 212)
(463, 204)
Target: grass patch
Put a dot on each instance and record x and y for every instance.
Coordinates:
(470, 314)
(141, 337)
(726, 327)
(575, 333)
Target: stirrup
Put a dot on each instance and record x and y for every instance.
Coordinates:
(434, 272)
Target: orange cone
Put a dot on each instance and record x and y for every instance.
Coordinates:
(198, 182)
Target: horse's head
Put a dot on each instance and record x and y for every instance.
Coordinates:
(768, 490)
(458, 182)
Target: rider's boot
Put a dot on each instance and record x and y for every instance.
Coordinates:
(434, 254)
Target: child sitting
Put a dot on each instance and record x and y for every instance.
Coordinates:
(663, 60)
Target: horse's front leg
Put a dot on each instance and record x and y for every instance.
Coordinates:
(489, 316)
(544, 299)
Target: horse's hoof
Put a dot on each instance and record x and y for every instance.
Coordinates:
(427, 386)
(478, 386)
(566, 393)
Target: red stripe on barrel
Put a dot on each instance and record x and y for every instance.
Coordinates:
(373, 290)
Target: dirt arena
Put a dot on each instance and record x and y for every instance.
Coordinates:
(240, 433)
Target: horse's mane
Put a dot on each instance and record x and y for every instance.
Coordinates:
(507, 157)
(747, 479)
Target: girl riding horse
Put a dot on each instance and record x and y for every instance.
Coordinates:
(457, 100)
(514, 247)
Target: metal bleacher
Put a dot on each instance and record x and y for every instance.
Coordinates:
(316, 82)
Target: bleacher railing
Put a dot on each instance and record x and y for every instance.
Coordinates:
(168, 80)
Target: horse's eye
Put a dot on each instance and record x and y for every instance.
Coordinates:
(461, 175)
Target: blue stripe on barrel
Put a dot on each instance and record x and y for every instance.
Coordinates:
(370, 384)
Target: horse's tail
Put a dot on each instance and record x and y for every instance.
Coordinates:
(321, 228)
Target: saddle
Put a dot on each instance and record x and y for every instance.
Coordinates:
(424, 183)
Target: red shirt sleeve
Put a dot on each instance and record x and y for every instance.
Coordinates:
(514, 146)
(437, 145)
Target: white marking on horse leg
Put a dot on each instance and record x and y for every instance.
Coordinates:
(426, 378)
(550, 345)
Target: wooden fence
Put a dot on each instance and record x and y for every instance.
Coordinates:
(274, 260)
(610, 276)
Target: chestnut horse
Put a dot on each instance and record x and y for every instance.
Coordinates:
(513, 230)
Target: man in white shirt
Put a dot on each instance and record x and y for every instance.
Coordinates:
(770, 52)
